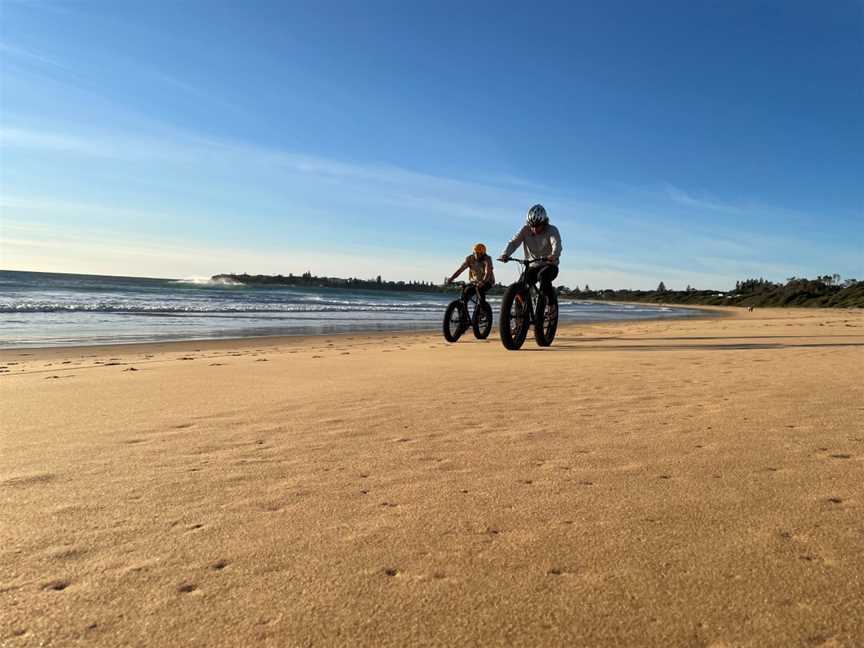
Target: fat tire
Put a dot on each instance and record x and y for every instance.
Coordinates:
(545, 337)
(481, 332)
(453, 336)
(512, 340)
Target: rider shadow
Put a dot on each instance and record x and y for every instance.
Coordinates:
(695, 337)
(735, 346)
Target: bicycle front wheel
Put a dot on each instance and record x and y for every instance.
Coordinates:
(455, 320)
(515, 317)
(546, 319)
(482, 323)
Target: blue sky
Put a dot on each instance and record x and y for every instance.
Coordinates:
(685, 142)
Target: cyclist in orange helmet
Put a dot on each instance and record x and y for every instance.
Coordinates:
(481, 276)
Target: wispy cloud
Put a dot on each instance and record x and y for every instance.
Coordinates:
(20, 54)
(610, 245)
(682, 197)
(59, 143)
(390, 184)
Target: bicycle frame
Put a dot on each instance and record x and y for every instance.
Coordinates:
(475, 299)
(532, 291)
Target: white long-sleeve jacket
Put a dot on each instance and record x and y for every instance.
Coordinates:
(545, 244)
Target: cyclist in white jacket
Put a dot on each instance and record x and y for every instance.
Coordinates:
(539, 240)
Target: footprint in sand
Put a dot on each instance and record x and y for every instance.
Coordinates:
(29, 480)
(56, 585)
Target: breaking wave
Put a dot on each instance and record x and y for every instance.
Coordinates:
(208, 281)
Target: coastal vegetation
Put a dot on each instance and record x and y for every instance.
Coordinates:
(307, 279)
(823, 291)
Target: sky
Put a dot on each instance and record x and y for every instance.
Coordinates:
(694, 143)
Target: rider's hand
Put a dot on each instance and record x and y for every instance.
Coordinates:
(552, 259)
(504, 258)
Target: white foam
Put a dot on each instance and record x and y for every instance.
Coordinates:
(208, 281)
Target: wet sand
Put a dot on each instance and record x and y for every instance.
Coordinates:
(665, 483)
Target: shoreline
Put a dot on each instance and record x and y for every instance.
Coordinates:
(226, 342)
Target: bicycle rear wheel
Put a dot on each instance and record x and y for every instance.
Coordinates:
(546, 319)
(455, 320)
(482, 321)
(515, 317)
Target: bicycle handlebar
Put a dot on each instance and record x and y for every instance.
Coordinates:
(523, 261)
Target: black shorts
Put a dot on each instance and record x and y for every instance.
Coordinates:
(481, 290)
(542, 272)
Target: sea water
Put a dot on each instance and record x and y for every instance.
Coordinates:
(47, 309)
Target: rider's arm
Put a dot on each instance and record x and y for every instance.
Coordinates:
(459, 271)
(490, 273)
(514, 243)
(555, 240)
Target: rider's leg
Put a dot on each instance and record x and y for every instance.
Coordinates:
(546, 274)
(482, 289)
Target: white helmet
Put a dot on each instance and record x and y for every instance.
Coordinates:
(536, 216)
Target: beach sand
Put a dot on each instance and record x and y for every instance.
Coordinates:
(688, 482)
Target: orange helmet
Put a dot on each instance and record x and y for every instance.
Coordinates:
(479, 249)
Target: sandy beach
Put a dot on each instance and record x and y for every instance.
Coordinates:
(688, 482)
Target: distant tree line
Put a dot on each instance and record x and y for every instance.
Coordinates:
(307, 279)
(823, 291)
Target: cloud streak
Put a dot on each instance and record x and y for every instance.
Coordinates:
(618, 243)
(681, 197)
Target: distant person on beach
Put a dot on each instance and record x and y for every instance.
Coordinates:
(539, 239)
(481, 276)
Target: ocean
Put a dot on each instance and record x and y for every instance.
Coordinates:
(48, 309)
